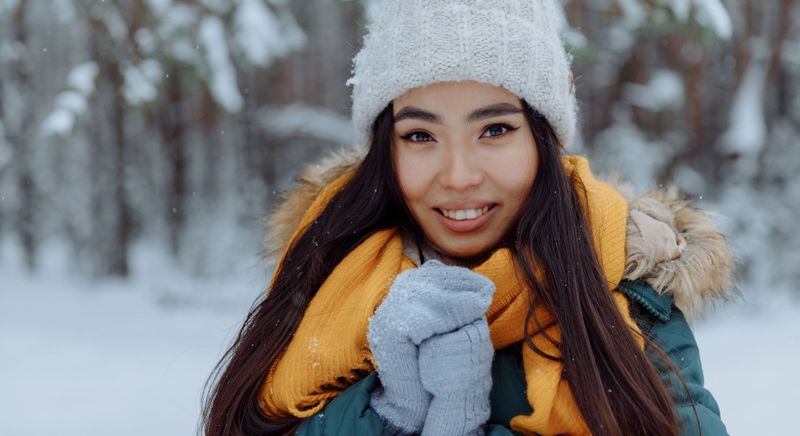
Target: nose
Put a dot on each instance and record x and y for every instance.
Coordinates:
(461, 170)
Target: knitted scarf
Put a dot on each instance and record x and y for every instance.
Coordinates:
(330, 351)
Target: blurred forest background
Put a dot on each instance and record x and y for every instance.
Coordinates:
(177, 124)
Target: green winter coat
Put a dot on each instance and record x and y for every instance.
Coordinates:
(657, 317)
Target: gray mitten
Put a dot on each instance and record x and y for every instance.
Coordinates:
(421, 302)
(456, 368)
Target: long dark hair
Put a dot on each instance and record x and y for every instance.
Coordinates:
(617, 389)
(615, 386)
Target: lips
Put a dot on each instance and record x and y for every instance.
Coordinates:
(465, 219)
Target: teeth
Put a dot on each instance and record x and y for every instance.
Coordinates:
(466, 214)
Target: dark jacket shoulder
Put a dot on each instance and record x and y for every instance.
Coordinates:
(670, 337)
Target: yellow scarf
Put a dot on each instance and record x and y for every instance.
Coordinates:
(330, 351)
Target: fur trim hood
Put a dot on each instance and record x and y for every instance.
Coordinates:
(702, 273)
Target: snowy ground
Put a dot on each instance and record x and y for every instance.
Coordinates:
(112, 358)
(130, 358)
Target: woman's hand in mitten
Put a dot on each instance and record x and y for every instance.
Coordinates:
(434, 298)
(456, 368)
(421, 302)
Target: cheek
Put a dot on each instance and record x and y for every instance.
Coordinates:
(517, 183)
(521, 182)
(414, 175)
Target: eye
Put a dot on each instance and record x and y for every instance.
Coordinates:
(497, 130)
(417, 137)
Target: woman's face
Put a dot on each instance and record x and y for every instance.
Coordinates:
(465, 160)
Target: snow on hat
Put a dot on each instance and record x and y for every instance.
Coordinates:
(514, 44)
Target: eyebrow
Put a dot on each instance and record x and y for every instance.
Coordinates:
(493, 110)
(415, 113)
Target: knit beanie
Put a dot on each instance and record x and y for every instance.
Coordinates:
(514, 44)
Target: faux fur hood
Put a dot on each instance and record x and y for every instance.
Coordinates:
(701, 274)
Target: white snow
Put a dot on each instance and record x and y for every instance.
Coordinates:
(141, 82)
(85, 358)
(219, 7)
(11, 51)
(223, 75)
(708, 13)
(301, 119)
(176, 30)
(262, 36)
(634, 13)
(113, 21)
(82, 77)
(174, 17)
(184, 50)
(73, 101)
(575, 38)
(159, 7)
(713, 14)
(70, 104)
(624, 150)
(113, 357)
(689, 179)
(680, 8)
(64, 11)
(747, 131)
(146, 40)
(750, 360)
(60, 122)
(663, 91)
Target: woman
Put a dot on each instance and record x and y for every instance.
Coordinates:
(464, 276)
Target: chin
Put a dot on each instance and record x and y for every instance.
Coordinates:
(469, 254)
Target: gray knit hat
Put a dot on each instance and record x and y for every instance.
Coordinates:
(514, 44)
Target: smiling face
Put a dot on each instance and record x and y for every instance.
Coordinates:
(465, 160)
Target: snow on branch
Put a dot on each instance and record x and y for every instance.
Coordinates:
(264, 36)
(222, 83)
(70, 104)
(664, 91)
(305, 120)
(747, 133)
(141, 82)
(712, 14)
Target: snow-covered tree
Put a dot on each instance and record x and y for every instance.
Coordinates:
(140, 78)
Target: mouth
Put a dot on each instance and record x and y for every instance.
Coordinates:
(466, 220)
(465, 214)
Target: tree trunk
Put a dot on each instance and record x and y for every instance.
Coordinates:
(777, 70)
(20, 135)
(112, 208)
(173, 132)
(776, 74)
(122, 234)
